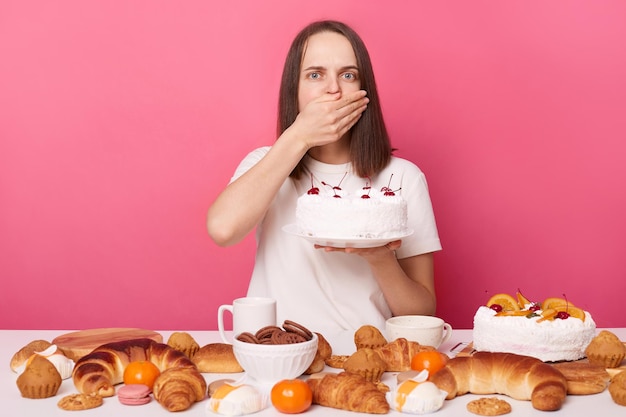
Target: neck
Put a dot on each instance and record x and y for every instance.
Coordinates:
(332, 153)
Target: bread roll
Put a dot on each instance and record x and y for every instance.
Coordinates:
(20, 357)
(324, 351)
(217, 358)
(519, 377)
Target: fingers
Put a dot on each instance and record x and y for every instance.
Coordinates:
(389, 247)
(329, 117)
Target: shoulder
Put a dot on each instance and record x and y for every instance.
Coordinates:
(403, 164)
(404, 169)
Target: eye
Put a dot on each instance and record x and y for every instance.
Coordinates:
(314, 75)
(349, 76)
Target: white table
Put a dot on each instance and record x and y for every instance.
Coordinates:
(12, 404)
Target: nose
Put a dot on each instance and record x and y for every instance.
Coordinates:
(333, 85)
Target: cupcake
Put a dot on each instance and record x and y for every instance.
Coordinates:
(367, 363)
(617, 388)
(369, 337)
(40, 379)
(606, 350)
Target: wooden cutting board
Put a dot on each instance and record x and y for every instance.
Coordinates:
(75, 345)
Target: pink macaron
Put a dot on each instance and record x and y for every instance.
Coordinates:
(134, 394)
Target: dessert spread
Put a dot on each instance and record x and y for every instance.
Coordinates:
(554, 330)
(329, 211)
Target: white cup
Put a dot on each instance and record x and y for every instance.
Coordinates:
(425, 330)
(249, 315)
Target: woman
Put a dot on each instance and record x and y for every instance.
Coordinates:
(330, 123)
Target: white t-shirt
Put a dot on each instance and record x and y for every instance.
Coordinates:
(332, 291)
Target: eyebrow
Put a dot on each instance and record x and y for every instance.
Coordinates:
(317, 67)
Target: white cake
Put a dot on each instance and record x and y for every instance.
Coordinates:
(548, 340)
(333, 213)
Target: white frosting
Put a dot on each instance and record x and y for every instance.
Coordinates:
(351, 216)
(243, 399)
(416, 396)
(548, 340)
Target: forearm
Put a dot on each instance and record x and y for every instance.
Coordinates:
(241, 206)
(407, 284)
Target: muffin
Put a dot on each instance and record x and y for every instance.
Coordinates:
(606, 350)
(617, 388)
(367, 363)
(40, 379)
(369, 337)
(184, 342)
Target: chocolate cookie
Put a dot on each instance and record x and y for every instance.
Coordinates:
(293, 327)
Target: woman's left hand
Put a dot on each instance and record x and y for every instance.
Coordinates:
(370, 254)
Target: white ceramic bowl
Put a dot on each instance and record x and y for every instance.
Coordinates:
(269, 364)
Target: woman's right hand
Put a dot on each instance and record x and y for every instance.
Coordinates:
(328, 118)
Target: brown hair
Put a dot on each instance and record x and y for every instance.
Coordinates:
(370, 149)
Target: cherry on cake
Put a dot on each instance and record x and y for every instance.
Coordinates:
(554, 330)
(331, 212)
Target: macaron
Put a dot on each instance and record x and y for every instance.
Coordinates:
(134, 394)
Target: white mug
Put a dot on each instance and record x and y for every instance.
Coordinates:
(249, 315)
(425, 330)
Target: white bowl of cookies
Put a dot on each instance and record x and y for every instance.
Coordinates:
(274, 353)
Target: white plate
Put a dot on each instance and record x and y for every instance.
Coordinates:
(353, 242)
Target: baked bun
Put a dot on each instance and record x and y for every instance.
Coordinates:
(606, 350)
(20, 357)
(367, 363)
(583, 378)
(369, 337)
(217, 358)
(324, 351)
(40, 379)
(617, 388)
(183, 342)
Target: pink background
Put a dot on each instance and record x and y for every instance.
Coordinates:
(121, 121)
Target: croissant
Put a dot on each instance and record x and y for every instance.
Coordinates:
(398, 354)
(349, 392)
(519, 377)
(176, 389)
(99, 371)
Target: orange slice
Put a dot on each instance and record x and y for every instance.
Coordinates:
(547, 314)
(522, 301)
(513, 313)
(554, 301)
(573, 311)
(507, 302)
(579, 313)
